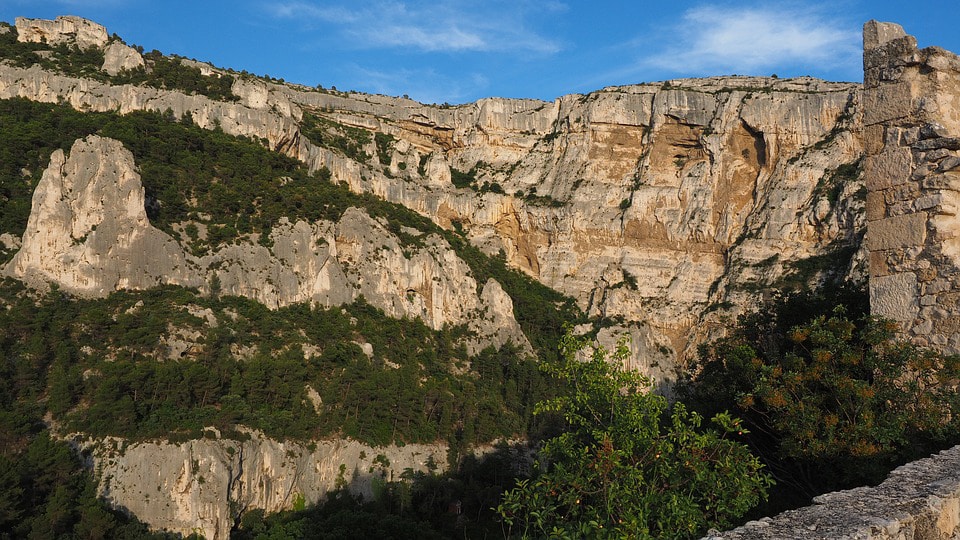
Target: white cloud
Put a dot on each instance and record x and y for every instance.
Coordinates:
(424, 85)
(753, 40)
(448, 25)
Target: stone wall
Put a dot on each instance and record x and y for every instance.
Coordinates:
(912, 168)
(911, 138)
(919, 501)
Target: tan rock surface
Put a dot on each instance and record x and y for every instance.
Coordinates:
(206, 485)
(88, 232)
(67, 29)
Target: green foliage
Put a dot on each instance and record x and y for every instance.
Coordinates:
(832, 399)
(627, 466)
(384, 144)
(66, 353)
(462, 179)
(327, 133)
(831, 185)
(170, 73)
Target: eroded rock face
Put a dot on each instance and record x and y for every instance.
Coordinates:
(88, 232)
(67, 29)
(118, 57)
(207, 485)
(653, 203)
(88, 229)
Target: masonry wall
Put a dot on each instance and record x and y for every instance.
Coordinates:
(911, 115)
(918, 501)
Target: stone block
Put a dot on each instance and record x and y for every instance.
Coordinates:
(873, 139)
(908, 230)
(928, 201)
(876, 33)
(888, 102)
(876, 206)
(878, 264)
(949, 163)
(894, 52)
(889, 168)
(895, 297)
(948, 143)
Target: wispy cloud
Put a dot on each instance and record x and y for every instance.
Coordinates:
(449, 25)
(755, 40)
(424, 85)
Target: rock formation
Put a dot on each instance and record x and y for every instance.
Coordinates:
(118, 57)
(88, 232)
(912, 131)
(88, 228)
(206, 485)
(67, 29)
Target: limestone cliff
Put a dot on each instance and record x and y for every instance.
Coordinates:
(206, 485)
(88, 232)
(649, 204)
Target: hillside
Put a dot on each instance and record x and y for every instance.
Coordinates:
(195, 253)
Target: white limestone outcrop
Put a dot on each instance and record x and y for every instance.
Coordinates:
(88, 232)
(206, 485)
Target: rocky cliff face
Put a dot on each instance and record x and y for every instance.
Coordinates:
(650, 204)
(206, 485)
(657, 207)
(88, 232)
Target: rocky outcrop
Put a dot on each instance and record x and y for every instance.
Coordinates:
(207, 485)
(651, 204)
(918, 501)
(88, 232)
(88, 229)
(67, 29)
(118, 57)
(912, 130)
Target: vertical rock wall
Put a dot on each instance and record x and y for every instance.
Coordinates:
(912, 169)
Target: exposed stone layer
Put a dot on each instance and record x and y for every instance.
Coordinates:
(206, 485)
(88, 232)
(67, 29)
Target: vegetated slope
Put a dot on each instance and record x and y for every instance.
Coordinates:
(658, 207)
(235, 188)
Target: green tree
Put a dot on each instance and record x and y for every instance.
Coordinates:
(627, 465)
(831, 397)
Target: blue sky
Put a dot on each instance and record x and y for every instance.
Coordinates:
(457, 51)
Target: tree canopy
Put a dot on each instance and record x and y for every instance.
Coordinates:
(627, 465)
